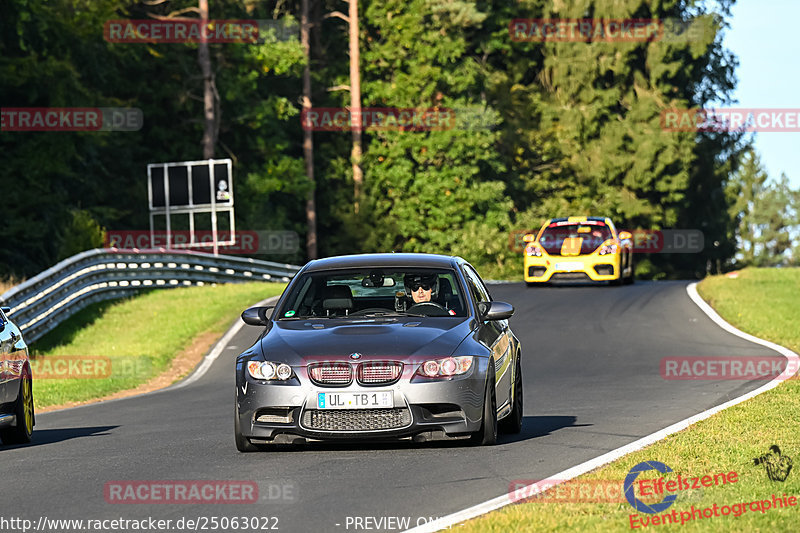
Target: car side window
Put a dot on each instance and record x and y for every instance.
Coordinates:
(476, 286)
(614, 232)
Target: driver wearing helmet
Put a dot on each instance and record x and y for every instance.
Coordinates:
(421, 288)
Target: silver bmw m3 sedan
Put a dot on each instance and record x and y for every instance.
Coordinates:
(380, 346)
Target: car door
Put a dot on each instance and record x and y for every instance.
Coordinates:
(625, 248)
(496, 335)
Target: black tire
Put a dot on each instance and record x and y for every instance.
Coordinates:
(23, 431)
(243, 444)
(487, 434)
(512, 423)
(630, 279)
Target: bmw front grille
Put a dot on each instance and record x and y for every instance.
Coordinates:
(356, 419)
(331, 373)
(338, 373)
(379, 372)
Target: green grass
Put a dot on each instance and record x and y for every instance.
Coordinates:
(765, 303)
(140, 336)
(761, 301)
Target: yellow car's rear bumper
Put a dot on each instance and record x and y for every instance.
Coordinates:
(592, 267)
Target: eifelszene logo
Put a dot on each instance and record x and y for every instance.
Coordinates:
(636, 503)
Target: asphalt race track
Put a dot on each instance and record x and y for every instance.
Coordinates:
(592, 384)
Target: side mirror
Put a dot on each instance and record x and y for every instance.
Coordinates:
(5, 309)
(529, 237)
(624, 235)
(496, 310)
(256, 316)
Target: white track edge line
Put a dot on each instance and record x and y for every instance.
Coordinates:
(450, 520)
(218, 347)
(215, 352)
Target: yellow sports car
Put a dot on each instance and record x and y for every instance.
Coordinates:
(579, 249)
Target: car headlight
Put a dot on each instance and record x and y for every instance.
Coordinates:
(268, 370)
(533, 250)
(608, 249)
(445, 367)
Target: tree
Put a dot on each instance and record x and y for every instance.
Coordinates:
(766, 212)
(431, 191)
(354, 87)
(570, 128)
(584, 131)
(745, 191)
(308, 136)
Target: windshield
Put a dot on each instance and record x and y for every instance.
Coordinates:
(374, 292)
(560, 238)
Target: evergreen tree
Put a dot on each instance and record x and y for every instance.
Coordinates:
(432, 191)
(766, 212)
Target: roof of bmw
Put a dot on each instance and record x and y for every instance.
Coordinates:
(383, 261)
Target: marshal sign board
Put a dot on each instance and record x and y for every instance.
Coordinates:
(190, 184)
(190, 188)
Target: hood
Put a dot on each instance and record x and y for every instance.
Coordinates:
(302, 341)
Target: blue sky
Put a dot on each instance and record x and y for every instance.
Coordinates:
(765, 36)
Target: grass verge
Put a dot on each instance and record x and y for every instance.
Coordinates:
(120, 345)
(764, 303)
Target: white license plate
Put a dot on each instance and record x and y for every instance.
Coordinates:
(355, 400)
(569, 265)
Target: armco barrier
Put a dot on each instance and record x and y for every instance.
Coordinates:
(44, 301)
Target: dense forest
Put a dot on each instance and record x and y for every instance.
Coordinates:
(544, 128)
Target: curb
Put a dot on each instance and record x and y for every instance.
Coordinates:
(215, 352)
(450, 520)
(196, 374)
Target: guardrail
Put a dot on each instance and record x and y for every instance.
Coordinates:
(44, 301)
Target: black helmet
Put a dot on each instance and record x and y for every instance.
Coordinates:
(413, 281)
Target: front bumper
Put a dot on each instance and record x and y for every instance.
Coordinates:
(273, 412)
(593, 267)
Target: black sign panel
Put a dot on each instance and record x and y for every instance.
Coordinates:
(202, 188)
